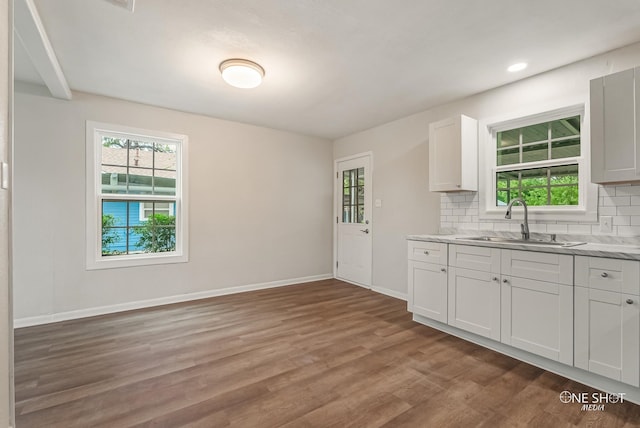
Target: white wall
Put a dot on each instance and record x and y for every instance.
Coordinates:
(400, 180)
(400, 152)
(260, 206)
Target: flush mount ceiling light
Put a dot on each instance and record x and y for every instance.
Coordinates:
(241, 73)
(517, 67)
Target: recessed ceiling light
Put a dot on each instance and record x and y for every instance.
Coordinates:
(241, 73)
(517, 67)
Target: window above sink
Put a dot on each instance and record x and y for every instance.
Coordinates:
(541, 157)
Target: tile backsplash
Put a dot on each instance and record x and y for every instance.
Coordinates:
(459, 212)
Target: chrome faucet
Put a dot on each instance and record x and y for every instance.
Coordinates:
(524, 227)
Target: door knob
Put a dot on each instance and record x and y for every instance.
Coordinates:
(365, 230)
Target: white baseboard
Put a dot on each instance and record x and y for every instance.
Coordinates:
(102, 310)
(391, 293)
(381, 290)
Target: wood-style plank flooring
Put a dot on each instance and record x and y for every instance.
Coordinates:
(323, 354)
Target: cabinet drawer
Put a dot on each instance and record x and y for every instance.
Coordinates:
(483, 259)
(621, 276)
(557, 268)
(430, 252)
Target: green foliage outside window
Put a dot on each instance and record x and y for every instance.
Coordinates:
(538, 196)
(109, 234)
(157, 234)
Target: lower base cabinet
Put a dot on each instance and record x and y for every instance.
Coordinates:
(537, 317)
(428, 290)
(474, 301)
(607, 340)
(579, 311)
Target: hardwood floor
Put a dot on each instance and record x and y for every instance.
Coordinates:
(324, 354)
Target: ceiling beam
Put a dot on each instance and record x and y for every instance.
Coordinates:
(30, 31)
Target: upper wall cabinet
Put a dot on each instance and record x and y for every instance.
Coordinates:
(453, 155)
(615, 114)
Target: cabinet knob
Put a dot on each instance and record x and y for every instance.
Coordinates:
(629, 301)
(604, 274)
(426, 253)
(495, 278)
(443, 270)
(506, 281)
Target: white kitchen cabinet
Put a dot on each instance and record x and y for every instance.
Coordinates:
(537, 303)
(428, 290)
(427, 278)
(607, 318)
(453, 155)
(615, 117)
(474, 290)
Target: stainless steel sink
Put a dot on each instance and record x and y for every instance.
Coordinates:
(536, 242)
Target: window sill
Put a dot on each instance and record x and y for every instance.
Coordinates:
(114, 262)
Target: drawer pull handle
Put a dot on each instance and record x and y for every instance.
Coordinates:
(629, 301)
(443, 270)
(604, 274)
(426, 253)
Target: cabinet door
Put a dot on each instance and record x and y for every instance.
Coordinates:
(474, 301)
(607, 334)
(444, 155)
(428, 290)
(538, 317)
(615, 111)
(453, 154)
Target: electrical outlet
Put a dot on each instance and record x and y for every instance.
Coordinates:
(606, 224)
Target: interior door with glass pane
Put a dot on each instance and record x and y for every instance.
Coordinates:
(354, 244)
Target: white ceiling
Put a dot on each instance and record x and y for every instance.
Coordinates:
(333, 67)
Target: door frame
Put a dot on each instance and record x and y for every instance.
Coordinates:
(336, 208)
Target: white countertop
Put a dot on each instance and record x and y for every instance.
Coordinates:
(616, 251)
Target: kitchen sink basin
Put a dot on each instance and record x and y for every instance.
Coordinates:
(536, 242)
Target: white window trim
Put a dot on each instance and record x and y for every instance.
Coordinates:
(94, 258)
(142, 209)
(587, 211)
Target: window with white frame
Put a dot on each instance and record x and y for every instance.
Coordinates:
(542, 159)
(136, 197)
